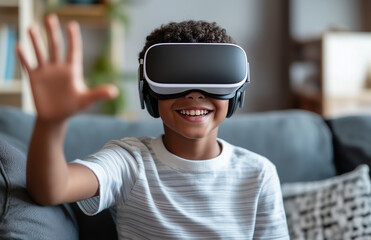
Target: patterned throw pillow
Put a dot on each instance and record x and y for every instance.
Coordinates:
(335, 208)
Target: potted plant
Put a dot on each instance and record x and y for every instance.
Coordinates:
(103, 70)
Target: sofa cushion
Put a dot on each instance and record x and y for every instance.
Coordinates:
(20, 217)
(88, 133)
(335, 208)
(298, 142)
(352, 141)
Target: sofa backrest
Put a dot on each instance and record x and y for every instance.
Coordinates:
(299, 143)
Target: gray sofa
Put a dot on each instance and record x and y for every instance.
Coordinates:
(303, 146)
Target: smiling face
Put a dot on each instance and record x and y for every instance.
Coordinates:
(193, 116)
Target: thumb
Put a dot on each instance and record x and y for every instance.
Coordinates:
(105, 91)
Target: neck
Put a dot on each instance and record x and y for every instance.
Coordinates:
(192, 149)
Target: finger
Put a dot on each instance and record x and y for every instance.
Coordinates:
(106, 91)
(54, 36)
(74, 55)
(36, 39)
(22, 58)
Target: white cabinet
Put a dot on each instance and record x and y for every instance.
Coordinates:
(15, 17)
(332, 75)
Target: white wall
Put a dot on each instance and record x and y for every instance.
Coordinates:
(311, 18)
(150, 14)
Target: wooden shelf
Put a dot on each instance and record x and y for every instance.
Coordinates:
(94, 14)
(9, 3)
(360, 104)
(13, 87)
(310, 96)
(8, 13)
(310, 102)
(306, 50)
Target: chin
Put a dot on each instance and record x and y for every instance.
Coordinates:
(194, 136)
(196, 133)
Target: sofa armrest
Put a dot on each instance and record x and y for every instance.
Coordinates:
(20, 216)
(351, 141)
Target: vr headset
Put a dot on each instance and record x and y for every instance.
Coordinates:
(171, 70)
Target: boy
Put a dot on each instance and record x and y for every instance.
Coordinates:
(186, 184)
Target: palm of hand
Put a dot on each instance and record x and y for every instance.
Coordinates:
(58, 90)
(57, 86)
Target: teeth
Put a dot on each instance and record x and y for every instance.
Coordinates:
(194, 112)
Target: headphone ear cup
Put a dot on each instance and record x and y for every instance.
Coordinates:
(151, 105)
(232, 106)
(150, 102)
(235, 102)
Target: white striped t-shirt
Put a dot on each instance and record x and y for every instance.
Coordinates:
(155, 194)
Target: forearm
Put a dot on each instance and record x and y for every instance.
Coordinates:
(59, 92)
(47, 170)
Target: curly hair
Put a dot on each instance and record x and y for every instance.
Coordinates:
(187, 32)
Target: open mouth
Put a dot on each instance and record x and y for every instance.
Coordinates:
(194, 112)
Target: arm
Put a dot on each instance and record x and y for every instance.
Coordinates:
(59, 92)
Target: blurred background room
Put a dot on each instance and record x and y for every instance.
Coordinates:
(313, 55)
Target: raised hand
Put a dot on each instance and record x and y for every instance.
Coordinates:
(57, 84)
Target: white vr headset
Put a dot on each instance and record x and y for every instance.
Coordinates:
(171, 70)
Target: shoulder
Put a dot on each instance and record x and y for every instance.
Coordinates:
(249, 161)
(129, 144)
(128, 149)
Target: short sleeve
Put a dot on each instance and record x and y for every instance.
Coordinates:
(116, 167)
(270, 218)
